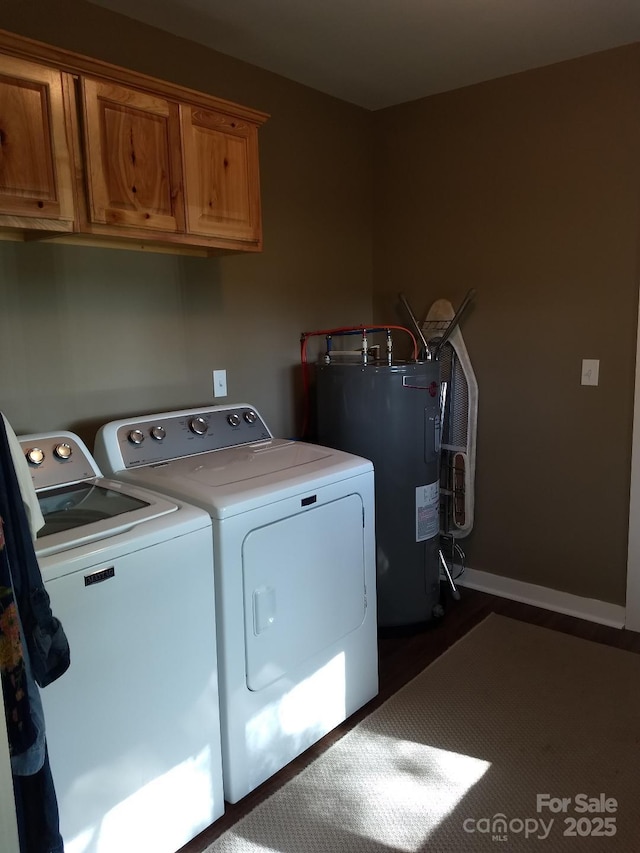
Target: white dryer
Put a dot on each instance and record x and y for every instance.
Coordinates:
(133, 725)
(294, 558)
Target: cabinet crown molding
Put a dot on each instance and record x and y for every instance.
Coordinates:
(76, 63)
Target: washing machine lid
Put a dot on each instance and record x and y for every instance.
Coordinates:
(77, 514)
(238, 479)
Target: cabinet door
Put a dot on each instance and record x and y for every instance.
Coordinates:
(222, 191)
(35, 163)
(132, 151)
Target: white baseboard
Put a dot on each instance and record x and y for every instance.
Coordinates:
(541, 596)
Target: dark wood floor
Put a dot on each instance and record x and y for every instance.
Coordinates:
(402, 658)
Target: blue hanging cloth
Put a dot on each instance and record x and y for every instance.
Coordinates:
(20, 728)
(33, 649)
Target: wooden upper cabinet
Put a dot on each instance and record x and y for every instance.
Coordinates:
(121, 158)
(132, 158)
(35, 163)
(222, 188)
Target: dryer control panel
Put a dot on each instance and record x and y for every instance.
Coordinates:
(154, 439)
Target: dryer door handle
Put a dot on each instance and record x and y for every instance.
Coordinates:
(264, 609)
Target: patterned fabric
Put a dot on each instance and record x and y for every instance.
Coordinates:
(25, 616)
(47, 644)
(20, 728)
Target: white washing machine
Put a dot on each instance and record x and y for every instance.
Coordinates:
(294, 558)
(133, 726)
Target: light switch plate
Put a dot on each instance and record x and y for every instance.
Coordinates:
(590, 371)
(219, 383)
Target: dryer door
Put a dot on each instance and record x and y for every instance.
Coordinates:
(304, 587)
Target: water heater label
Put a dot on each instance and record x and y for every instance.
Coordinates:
(427, 511)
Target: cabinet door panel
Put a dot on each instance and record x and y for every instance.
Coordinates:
(221, 175)
(132, 146)
(35, 170)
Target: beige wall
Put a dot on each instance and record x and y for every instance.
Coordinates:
(87, 334)
(526, 188)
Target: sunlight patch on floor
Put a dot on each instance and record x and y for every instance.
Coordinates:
(414, 786)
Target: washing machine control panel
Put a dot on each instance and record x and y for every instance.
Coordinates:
(56, 459)
(172, 435)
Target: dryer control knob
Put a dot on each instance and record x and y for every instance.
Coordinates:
(136, 436)
(35, 456)
(250, 417)
(158, 433)
(62, 451)
(198, 425)
(233, 419)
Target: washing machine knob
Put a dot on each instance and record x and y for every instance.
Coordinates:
(136, 436)
(233, 419)
(62, 451)
(35, 456)
(198, 425)
(158, 433)
(250, 417)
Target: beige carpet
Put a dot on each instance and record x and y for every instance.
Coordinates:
(510, 712)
